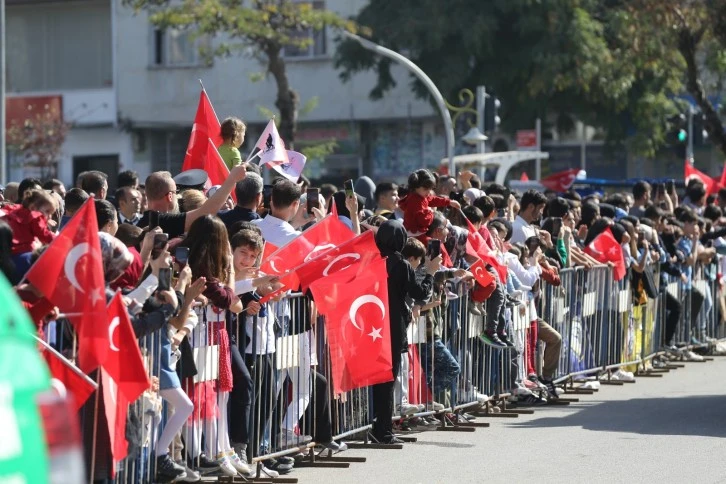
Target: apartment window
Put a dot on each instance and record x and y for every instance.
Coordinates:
(59, 46)
(317, 47)
(177, 48)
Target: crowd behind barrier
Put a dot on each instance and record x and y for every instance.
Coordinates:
(447, 368)
(297, 328)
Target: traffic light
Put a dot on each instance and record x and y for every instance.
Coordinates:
(491, 114)
(700, 135)
(677, 134)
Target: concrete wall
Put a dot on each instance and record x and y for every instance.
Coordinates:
(153, 95)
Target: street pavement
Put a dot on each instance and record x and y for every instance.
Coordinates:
(668, 429)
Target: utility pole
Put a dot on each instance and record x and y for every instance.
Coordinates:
(481, 98)
(689, 149)
(538, 162)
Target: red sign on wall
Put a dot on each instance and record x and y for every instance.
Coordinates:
(526, 139)
(20, 109)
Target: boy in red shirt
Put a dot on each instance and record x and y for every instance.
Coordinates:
(416, 206)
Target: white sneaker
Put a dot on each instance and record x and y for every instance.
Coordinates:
(623, 375)
(591, 385)
(691, 356)
(437, 406)
(237, 462)
(421, 407)
(481, 398)
(225, 465)
(408, 409)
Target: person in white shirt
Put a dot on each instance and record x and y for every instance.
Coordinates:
(530, 211)
(276, 229)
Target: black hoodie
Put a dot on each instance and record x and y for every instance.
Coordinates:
(390, 239)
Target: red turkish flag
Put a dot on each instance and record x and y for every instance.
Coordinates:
(418, 389)
(206, 126)
(75, 384)
(361, 249)
(561, 181)
(70, 275)
(215, 167)
(481, 275)
(116, 409)
(355, 304)
(124, 363)
(712, 186)
(524, 177)
(476, 247)
(322, 236)
(604, 248)
(723, 177)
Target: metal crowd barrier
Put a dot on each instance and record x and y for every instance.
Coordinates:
(446, 371)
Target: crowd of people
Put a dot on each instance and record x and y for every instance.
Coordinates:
(215, 365)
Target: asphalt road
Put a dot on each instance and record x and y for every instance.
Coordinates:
(668, 429)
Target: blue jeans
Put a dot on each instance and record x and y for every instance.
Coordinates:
(445, 366)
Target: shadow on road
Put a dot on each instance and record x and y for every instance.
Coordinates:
(701, 415)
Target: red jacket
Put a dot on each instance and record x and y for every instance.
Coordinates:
(416, 214)
(27, 226)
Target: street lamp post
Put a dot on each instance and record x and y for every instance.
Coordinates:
(421, 75)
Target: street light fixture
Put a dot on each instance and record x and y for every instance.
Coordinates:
(474, 137)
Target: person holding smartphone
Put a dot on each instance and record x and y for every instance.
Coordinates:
(161, 195)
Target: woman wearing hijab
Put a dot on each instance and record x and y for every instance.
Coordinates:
(390, 239)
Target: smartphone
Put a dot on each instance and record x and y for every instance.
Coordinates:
(256, 296)
(153, 219)
(661, 189)
(313, 195)
(433, 250)
(160, 241)
(164, 279)
(671, 186)
(556, 227)
(266, 196)
(181, 255)
(348, 186)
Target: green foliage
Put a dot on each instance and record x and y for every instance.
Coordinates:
(615, 64)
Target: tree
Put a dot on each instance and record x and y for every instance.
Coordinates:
(258, 28)
(593, 60)
(39, 138)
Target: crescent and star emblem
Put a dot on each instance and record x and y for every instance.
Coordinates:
(111, 330)
(69, 267)
(358, 303)
(349, 255)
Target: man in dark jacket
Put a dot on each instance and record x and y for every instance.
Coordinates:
(390, 239)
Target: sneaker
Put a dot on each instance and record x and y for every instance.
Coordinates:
(495, 409)
(421, 407)
(336, 446)
(192, 475)
(408, 409)
(623, 375)
(238, 463)
(532, 400)
(265, 473)
(481, 398)
(490, 338)
(691, 356)
(529, 384)
(474, 310)
(437, 406)
(505, 339)
(591, 385)
(551, 388)
(533, 379)
(203, 464)
(696, 341)
(225, 465)
(278, 466)
(168, 470)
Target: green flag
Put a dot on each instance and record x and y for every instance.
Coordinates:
(23, 376)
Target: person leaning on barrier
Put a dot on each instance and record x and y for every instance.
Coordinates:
(390, 239)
